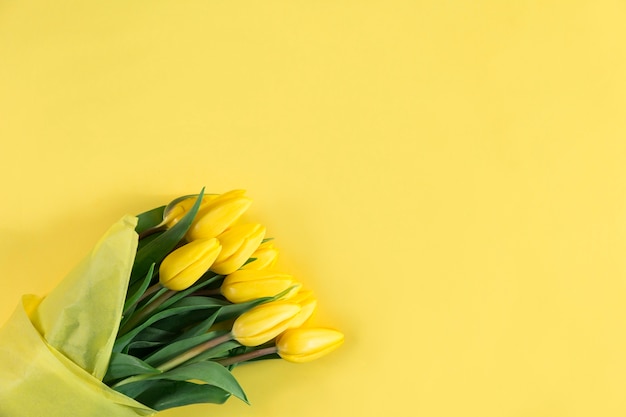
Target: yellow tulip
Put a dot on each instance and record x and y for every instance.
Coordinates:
(307, 303)
(238, 244)
(184, 266)
(249, 284)
(178, 210)
(307, 344)
(264, 322)
(264, 257)
(218, 215)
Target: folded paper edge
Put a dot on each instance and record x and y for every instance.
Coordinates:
(80, 317)
(19, 326)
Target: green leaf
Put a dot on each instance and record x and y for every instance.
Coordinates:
(149, 219)
(142, 344)
(257, 359)
(208, 278)
(184, 305)
(134, 389)
(131, 321)
(199, 328)
(176, 348)
(164, 394)
(137, 291)
(250, 260)
(153, 334)
(179, 323)
(145, 240)
(231, 311)
(211, 373)
(122, 366)
(160, 247)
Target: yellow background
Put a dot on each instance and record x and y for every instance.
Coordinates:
(449, 177)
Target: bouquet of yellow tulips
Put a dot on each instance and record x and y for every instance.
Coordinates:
(157, 316)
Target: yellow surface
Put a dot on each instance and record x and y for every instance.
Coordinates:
(448, 177)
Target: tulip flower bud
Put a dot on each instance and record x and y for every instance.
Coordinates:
(178, 210)
(264, 257)
(184, 266)
(307, 344)
(173, 215)
(249, 284)
(218, 215)
(264, 322)
(307, 303)
(238, 244)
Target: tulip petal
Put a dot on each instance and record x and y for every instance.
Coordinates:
(219, 214)
(162, 245)
(238, 244)
(245, 285)
(184, 266)
(263, 323)
(307, 344)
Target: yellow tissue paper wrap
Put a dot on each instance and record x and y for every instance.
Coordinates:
(55, 351)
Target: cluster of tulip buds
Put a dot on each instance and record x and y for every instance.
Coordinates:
(237, 255)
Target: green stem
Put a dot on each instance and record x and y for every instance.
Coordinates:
(195, 351)
(248, 356)
(156, 287)
(156, 229)
(131, 379)
(140, 315)
(215, 291)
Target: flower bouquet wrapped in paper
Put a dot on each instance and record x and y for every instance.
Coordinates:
(156, 317)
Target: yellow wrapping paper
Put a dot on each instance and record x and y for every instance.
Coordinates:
(55, 351)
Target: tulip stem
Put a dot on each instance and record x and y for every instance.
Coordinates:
(146, 311)
(215, 291)
(156, 229)
(130, 379)
(156, 287)
(193, 352)
(248, 356)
